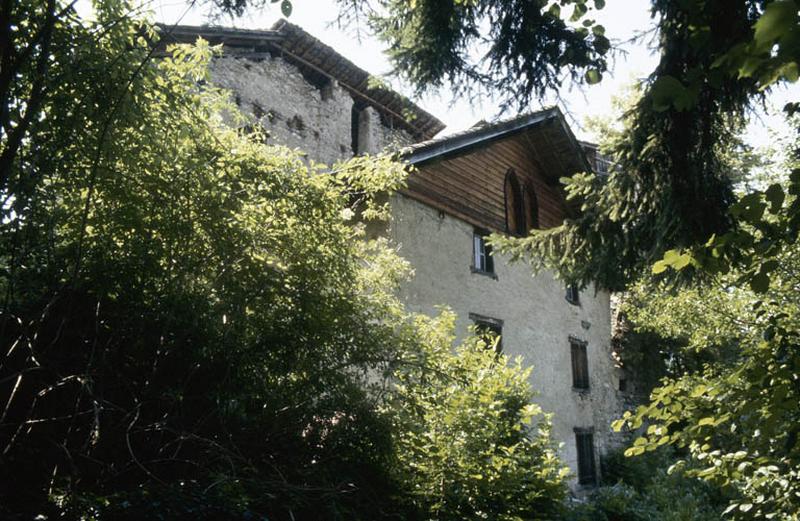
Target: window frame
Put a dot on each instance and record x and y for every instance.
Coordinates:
(531, 208)
(579, 357)
(514, 204)
(495, 325)
(479, 240)
(585, 451)
(573, 294)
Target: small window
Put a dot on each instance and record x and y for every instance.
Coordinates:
(573, 294)
(584, 442)
(580, 364)
(515, 206)
(490, 329)
(531, 208)
(623, 385)
(482, 260)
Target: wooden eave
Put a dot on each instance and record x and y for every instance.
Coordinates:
(462, 174)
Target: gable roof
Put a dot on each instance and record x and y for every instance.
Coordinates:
(318, 62)
(546, 133)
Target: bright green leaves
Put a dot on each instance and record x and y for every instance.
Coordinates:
(469, 450)
(672, 259)
(736, 412)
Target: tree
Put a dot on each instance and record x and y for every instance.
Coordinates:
(470, 443)
(193, 324)
(736, 415)
(669, 188)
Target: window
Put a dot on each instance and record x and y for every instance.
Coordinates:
(580, 364)
(522, 207)
(623, 385)
(584, 442)
(573, 295)
(515, 214)
(490, 329)
(531, 208)
(482, 260)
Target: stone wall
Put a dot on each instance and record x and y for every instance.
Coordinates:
(537, 319)
(316, 119)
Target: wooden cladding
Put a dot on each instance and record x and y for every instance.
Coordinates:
(474, 186)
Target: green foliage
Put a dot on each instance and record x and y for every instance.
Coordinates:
(471, 445)
(671, 183)
(737, 415)
(195, 327)
(528, 47)
(644, 489)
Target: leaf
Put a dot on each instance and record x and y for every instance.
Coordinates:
(708, 420)
(599, 4)
(778, 19)
(760, 282)
(286, 8)
(578, 12)
(668, 91)
(775, 196)
(659, 267)
(593, 76)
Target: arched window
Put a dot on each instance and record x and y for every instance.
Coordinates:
(515, 206)
(531, 208)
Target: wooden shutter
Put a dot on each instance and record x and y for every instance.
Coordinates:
(531, 208)
(584, 441)
(580, 365)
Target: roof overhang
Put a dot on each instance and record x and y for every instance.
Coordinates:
(319, 62)
(546, 134)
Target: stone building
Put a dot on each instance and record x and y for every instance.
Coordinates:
(501, 177)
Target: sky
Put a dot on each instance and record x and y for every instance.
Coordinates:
(623, 19)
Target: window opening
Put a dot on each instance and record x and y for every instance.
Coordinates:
(482, 259)
(573, 294)
(580, 364)
(584, 442)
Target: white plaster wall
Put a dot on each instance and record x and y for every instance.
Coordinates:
(296, 113)
(537, 319)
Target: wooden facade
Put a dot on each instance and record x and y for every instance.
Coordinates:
(505, 184)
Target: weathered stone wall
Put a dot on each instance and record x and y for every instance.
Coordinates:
(537, 319)
(295, 113)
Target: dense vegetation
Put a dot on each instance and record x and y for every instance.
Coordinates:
(193, 325)
(723, 283)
